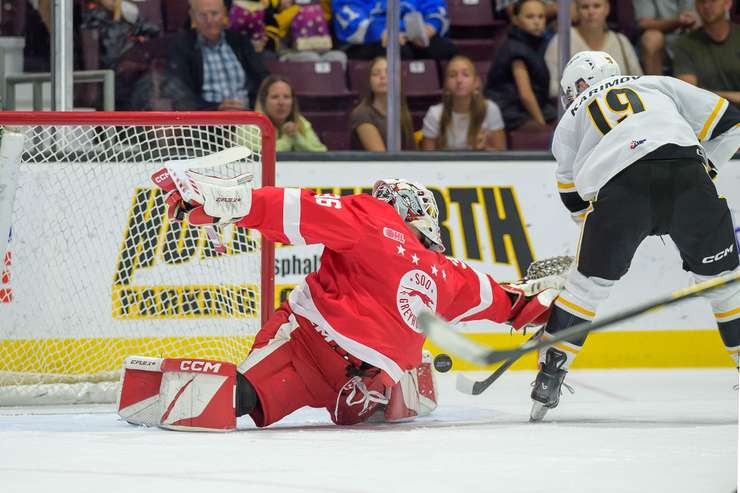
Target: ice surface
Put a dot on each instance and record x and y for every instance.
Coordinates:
(622, 431)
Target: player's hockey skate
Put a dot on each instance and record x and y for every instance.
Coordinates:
(546, 391)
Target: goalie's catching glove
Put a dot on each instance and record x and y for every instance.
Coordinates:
(533, 296)
(212, 200)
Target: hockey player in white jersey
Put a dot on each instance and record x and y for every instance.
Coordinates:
(635, 158)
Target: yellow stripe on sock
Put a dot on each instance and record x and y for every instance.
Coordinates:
(573, 306)
(564, 347)
(728, 313)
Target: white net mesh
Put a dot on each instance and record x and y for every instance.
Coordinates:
(94, 272)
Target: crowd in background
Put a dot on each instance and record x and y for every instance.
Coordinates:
(235, 55)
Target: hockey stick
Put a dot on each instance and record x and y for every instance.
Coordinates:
(476, 387)
(442, 334)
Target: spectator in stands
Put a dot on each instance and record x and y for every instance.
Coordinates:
(464, 119)
(710, 56)
(294, 31)
(592, 34)
(661, 21)
(368, 123)
(423, 29)
(120, 27)
(294, 133)
(219, 66)
(518, 80)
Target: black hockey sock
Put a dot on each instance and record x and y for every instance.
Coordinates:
(730, 333)
(246, 396)
(561, 320)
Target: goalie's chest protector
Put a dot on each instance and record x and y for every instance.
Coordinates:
(368, 299)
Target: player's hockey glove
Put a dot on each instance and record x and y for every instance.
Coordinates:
(533, 296)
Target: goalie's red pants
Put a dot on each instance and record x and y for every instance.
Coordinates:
(291, 365)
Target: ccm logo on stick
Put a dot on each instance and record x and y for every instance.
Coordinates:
(718, 256)
(203, 366)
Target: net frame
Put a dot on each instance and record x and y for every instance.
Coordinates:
(149, 119)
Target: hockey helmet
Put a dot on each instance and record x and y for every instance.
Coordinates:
(415, 204)
(585, 69)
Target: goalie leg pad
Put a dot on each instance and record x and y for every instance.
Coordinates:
(198, 395)
(414, 395)
(138, 398)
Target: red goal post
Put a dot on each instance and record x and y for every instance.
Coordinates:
(92, 269)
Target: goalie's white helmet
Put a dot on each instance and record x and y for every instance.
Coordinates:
(415, 204)
(585, 69)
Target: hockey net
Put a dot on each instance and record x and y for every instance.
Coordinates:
(93, 271)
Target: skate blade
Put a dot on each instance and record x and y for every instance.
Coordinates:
(538, 412)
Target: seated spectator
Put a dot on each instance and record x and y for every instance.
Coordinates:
(294, 31)
(218, 66)
(294, 133)
(423, 29)
(251, 18)
(592, 34)
(518, 80)
(368, 123)
(464, 119)
(661, 21)
(710, 56)
(120, 28)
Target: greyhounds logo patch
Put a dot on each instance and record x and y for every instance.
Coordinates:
(417, 291)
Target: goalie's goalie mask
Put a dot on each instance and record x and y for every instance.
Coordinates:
(416, 205)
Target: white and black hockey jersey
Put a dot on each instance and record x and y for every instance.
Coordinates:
(624, 118)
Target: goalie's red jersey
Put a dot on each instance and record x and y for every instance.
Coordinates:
(375, 275)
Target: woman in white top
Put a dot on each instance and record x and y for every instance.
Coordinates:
(592, 34)
(464, 119)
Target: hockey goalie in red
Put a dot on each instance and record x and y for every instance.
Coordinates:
(346, 339)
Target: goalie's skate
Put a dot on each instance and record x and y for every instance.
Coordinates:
(547, 386)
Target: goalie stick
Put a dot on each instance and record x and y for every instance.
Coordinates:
(442, 334)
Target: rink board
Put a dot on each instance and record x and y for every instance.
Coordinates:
(495, 215)
(498, 216)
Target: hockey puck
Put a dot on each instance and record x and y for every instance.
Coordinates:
(442, 363)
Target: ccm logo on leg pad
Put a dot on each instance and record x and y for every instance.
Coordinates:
(199, 366)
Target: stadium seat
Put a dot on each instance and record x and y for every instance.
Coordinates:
(318, 85)
(328, 120)
(357, 75)
(622, 18)
(151, 10)
(420, 79)
(333, 140)
(175, 15)
(477, 49)
(13, 19)
(472, 18)
(521, 140)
